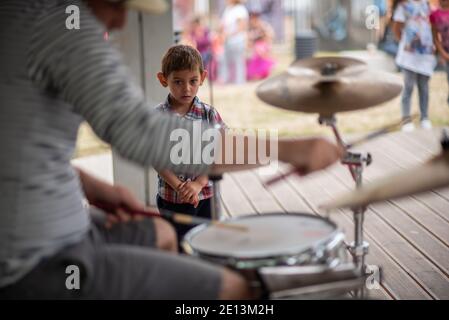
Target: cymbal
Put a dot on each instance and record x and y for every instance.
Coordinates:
(433, 174)
(329, 85)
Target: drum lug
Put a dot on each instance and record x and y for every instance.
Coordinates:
(358, 251)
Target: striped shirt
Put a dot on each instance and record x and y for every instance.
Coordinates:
(199, 111)
(52, 79)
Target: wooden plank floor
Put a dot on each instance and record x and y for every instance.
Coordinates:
(409, 237)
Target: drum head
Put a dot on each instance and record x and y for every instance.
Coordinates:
(268, 235)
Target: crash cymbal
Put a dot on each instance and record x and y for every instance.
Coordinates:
(329, 85)
(326, 69)
(433, 174)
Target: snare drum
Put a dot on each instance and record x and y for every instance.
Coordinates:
(271, 240)
(282, 255)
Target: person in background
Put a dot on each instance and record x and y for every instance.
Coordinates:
(415, 56)
(201, 40)
(260, 39)
(234, 25)
(440, 29)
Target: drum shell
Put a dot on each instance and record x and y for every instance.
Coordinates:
(330, 252)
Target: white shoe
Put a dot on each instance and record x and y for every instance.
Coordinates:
(426, 124)
(408, 127)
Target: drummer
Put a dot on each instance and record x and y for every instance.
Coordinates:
(52, 79)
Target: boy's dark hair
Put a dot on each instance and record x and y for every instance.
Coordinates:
(181, 57)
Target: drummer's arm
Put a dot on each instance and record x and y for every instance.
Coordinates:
(307, 155)
(99, 192)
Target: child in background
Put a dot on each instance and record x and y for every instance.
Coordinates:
(200, 36)
(260, 36)
(183, 73)
(415, 56)
(440, 29)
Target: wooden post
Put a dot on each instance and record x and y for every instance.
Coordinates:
(143, 43)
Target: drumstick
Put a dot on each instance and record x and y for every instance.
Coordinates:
(177, 217)
(375, 134)
(187, 219)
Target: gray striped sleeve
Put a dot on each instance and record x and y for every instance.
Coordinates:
(88, 73)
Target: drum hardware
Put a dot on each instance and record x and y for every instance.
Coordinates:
(355, 163)
(215, 206)
(275, 240)
(433, 174)
(303, 281)
(328, 290)
(327, 86)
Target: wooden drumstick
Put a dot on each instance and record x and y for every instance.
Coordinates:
(189, 220)
(390, 128)
(375, 134)
(177, 217)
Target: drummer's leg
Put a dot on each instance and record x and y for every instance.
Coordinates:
(114, 271)
(130, 272)
(146, 266)
(143, 273)
(166, 238)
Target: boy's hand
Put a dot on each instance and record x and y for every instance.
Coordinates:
(189, 192)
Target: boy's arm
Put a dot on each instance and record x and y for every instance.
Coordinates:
(202, 180)
(171, 179)
(439, 45)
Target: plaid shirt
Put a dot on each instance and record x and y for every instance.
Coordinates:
(199, 111)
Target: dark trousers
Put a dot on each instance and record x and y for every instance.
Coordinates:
(202, 210)
(118, 263)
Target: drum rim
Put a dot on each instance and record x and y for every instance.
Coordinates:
(281, 256)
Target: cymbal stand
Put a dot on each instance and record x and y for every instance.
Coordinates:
(215, 207)
(355, 163)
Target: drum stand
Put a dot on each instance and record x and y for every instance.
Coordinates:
(215, 208)
(355, 162)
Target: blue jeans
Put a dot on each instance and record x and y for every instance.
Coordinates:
(233, 68)
(422, 81)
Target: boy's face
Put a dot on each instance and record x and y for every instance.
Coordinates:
(183, 85)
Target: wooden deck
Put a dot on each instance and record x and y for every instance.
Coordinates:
(409, 237)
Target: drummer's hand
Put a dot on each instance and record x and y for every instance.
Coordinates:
(107, 195)
(119, 200)
(309, 155)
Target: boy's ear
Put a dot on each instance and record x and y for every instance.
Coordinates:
(162, 79)
(203, 76)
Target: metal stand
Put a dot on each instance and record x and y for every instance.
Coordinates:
(215, 208)
(355, 162)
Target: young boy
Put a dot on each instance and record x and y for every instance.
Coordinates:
(440, 29)
(415, 56)
(183, 73)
